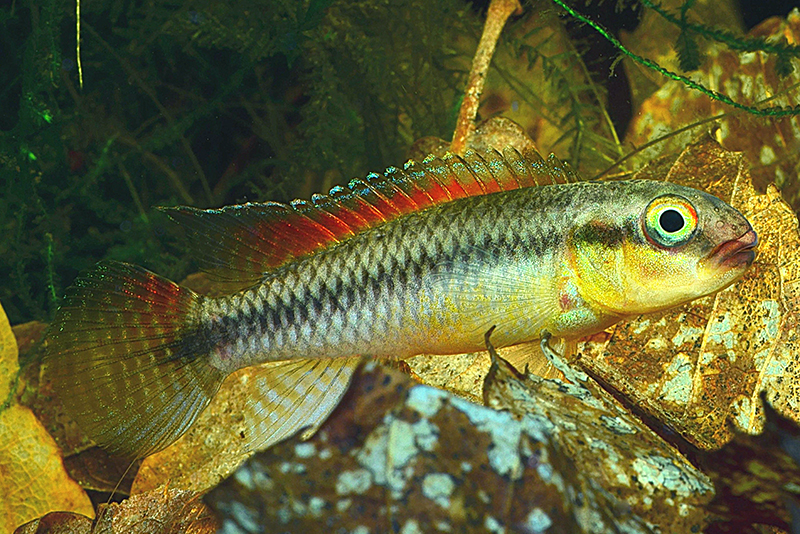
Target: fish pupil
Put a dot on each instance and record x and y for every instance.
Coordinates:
(671, 221)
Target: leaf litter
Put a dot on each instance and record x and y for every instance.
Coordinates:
(32, 477)
(696, 366)
(706, 362)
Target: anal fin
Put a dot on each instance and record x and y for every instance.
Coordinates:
(294, 395)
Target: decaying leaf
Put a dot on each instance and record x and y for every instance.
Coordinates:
(615, 451)
(769, 143)
(164, 511)
(695, 366)
(32, 477)
(9, 365)
(57, 523)
(255, 408)
(757, 478)
(90, 466)
(214, 446)
(464, 374)
(655, 37)
(398, 455)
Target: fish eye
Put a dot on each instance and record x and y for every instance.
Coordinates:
(670, 221)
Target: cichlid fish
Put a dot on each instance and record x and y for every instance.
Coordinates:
(420, 260)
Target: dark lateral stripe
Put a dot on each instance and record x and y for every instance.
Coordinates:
(599, 233)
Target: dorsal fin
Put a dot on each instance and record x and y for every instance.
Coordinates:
(240, 243)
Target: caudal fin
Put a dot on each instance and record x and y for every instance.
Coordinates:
(125, 356)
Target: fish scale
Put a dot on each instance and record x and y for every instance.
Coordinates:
(420, 260)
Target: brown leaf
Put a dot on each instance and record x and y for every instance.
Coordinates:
(694, 366)
(163, 511)
(618, 454)
(32, 477)
(464, 374)
(757, 478)
(90, 466)
(57, 523)
(212, 448)
(655, 37)
(9, 364)
(769, 143)
(397, 455)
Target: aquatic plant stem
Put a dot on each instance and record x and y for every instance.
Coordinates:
(78, 42)
(134, 194)
(496, 17)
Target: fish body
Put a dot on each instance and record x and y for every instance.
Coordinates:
(567, 258)
(435, 281)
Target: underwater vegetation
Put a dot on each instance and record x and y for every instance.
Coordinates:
(206, 104)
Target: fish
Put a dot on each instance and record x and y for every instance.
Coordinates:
(423, 259)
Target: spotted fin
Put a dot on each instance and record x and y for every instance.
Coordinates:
(241, 243)
(294, 395)
(123, 356)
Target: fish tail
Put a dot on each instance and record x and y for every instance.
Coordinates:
(126, 356)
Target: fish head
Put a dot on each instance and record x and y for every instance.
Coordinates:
(675, 244)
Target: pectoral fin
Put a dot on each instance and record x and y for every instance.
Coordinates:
(492, 292)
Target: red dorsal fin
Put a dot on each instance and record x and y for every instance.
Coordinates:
(240, 243)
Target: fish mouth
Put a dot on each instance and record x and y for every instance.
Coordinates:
(736, 252)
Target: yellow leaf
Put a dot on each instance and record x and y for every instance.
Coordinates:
(32, 477)
(9, 366)
(696, 366)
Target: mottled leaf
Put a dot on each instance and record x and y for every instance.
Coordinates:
(655, 38)
(57, 523)
(757, 478)
(163, 511)
(212, 448)
(695, 366)
(90, 466)
(402, 457)
(770, 144)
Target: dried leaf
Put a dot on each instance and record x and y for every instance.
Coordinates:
(27, 336)
(33, 480)
(212, 448)
(90, 466)
(769, 143)
(57, 523)
(9, 365)
(757, 477)
(167, 511)
(617, 453)
(464, 374)
(654, 38)
(695, 366)
(396, 456)
(251, 413)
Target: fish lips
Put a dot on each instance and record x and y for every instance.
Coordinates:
(739, 252)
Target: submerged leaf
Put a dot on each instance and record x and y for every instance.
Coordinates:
(32, 477)
(397, 455)
(756, 477)
(255, 408)
(770, 144)
(695, 366)
(164, 511)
